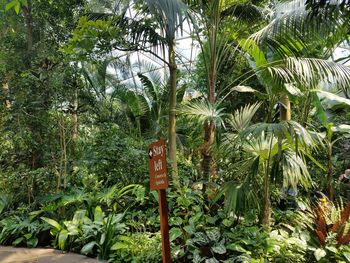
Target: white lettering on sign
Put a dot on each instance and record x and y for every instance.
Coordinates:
(160, 176)
(160, 182)
(158, 150)
(158, 165)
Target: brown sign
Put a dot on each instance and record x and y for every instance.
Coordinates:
(157, 165)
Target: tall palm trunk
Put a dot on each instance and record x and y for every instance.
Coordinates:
(265, 219)
(208, 162)
(75, 119)
(285, 108)
(330, 186)
(285, 115)
(172, 116)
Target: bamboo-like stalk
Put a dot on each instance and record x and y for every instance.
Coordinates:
(172, 116)
(285, 108)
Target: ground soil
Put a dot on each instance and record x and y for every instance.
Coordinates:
(40, 255)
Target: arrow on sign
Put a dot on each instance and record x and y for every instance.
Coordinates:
(150, 153)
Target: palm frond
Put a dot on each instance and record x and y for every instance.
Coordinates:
(203, 111)
(311, 72)
(169, 14)
(264, 146)
(148, 86)
(242, 117)
(245, 12)
(291, 131)
(292, 20)
(294, 170)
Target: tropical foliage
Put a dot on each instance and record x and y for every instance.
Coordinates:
(256, 122)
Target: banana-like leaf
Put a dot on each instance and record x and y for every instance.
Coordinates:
(331, 99)
(62, 238)
(247, 89)
(88, 248)
(52, 222)
(343, 128)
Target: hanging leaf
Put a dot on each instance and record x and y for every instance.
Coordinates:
(320, 112)
(247, 89)
(319, 254)
(293, 90)
(11, 4)
(332, 99)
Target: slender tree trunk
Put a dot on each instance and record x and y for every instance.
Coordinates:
(208, 162)
(330, 188)
(285, 114)
(172, 117)
(285, 108)
(266, 209)
(75, 119)
(27, 11)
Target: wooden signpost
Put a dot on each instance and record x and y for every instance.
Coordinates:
(159, 181)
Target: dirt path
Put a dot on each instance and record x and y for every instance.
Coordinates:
(40, 255)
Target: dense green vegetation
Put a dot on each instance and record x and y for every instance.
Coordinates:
(254, 157)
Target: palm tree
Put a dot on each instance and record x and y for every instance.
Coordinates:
(269, 156)
(153, 32)
(215, 50)
(170, 16)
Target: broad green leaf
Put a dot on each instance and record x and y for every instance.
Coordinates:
(62, 238)
(201, 238)
(98, 214)
(119, 245)
(344, 128)
(195, 218)
(319, 254)
(33, 242)
(332, 249)
(52, 222)
(11, 4)
(17, 241)
(238, 248)
(28, 236)
(72, 229)
(177, 221)
(213, 234)
(103, 238)
(211, 260)
(174, 233)
(320, 112)
(241, 88)
(87, 249)
(17, 7)
(34, 214)
(219, 249)
(79, 216)
(190, 229)
(249, 46)
(347, 256)
(332, 99)
(247, 89)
